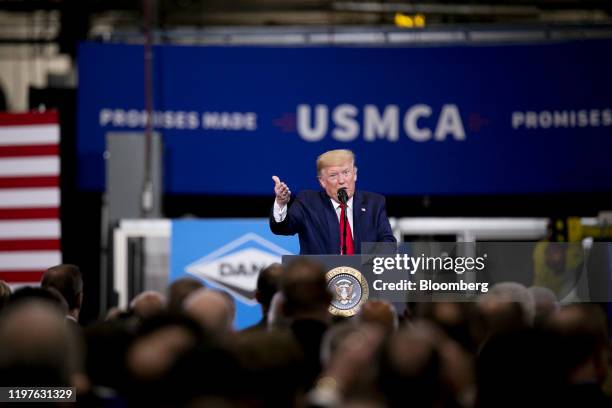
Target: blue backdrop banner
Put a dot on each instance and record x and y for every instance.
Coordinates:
(227, 254)
(465, 119)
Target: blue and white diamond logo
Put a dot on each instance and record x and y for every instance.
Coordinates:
(236, 265)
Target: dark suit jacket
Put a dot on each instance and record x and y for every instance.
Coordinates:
(312, 216)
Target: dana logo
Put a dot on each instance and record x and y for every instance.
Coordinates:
(419, 123)
(236, 265)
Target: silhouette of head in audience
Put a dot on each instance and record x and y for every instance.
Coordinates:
(267, 285)
(305, 291)
(37, 348)
(379, 312)
(212, 309)
(179, 290)
(148, 304)
(68, 281)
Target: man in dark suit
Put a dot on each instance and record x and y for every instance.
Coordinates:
(318, 217)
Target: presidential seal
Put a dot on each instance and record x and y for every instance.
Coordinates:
(349, 289)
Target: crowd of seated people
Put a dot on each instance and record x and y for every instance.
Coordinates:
(514, 346)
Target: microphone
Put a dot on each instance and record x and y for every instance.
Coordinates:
(342, 195)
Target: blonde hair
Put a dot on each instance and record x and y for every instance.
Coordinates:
(334, 158)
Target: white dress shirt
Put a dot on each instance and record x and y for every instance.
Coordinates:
(281, 212)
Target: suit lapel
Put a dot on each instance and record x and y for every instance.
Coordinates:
(333, 225)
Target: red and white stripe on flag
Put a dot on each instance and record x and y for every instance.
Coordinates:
(29, 196)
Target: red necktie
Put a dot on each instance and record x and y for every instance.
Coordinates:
(350, 246)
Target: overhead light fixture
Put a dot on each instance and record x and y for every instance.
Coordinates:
(409, 21)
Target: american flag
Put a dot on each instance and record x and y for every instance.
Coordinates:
(29, 196)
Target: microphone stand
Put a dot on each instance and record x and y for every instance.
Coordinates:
(343, 198)
(345, 220)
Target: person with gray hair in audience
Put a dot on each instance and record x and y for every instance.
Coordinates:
(546, 303)
(516, 293)
(148, 304)
(211, 309)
